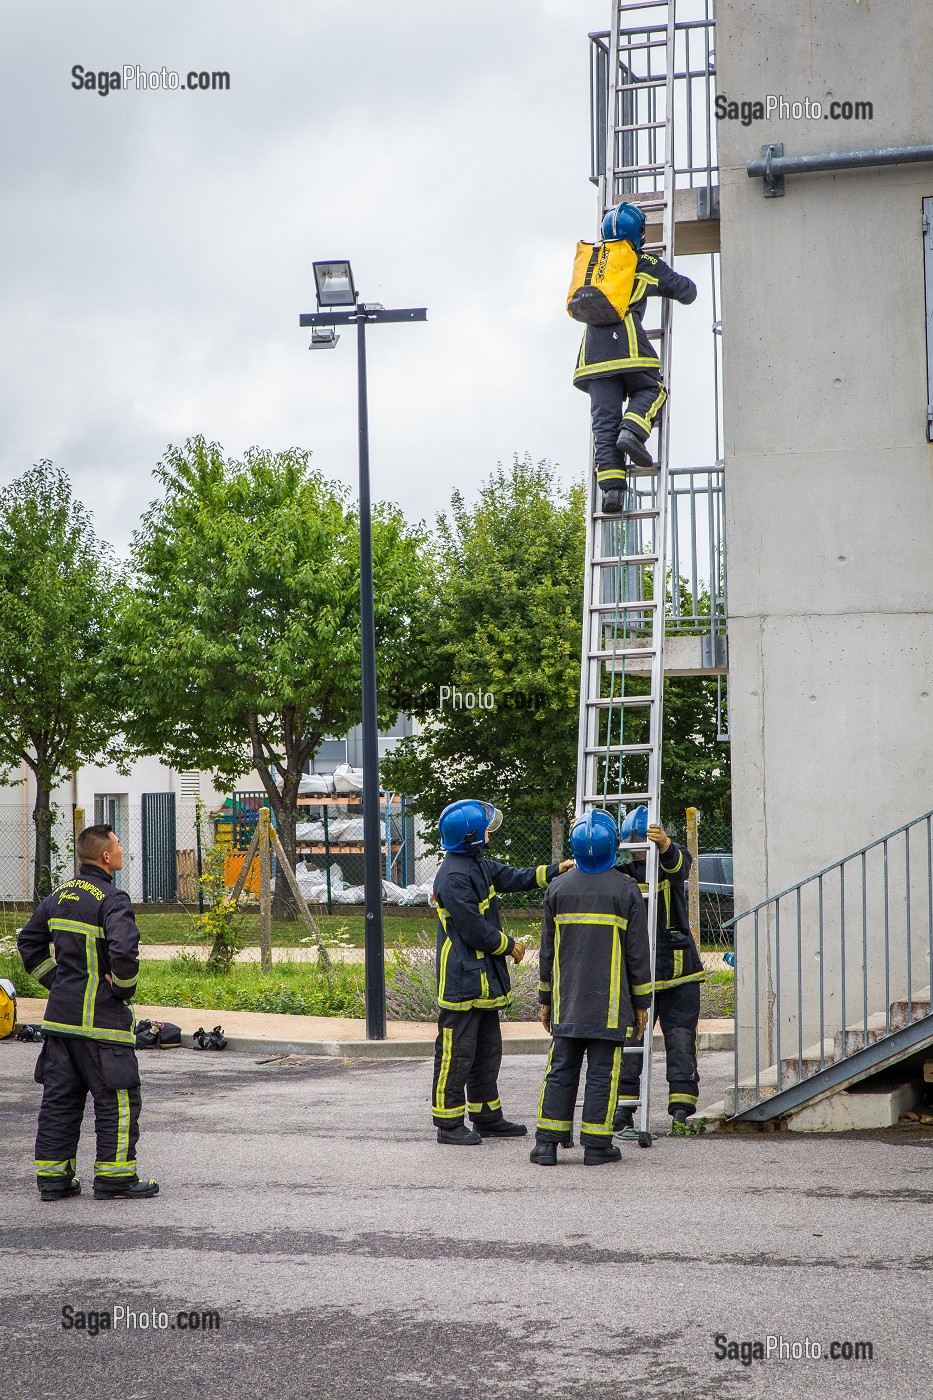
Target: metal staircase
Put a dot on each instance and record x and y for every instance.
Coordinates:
(862, 1003)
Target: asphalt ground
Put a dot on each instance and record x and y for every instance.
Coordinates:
(347, 1255)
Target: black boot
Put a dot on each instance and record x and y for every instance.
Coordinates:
(678, 1126)
(595, 1156)
(634, 448)
(544, 1154)
(116, 1190)
(612, 502)
(59, 1189)
(460, 1136)
(501, 1128)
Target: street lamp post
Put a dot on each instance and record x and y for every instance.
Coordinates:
(335, 289)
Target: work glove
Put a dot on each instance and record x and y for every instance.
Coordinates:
(565, 865)
(659, 836)
(518, 952)
(641, 1021)
(544, 1016)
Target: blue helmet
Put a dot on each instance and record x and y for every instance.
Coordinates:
(635, 825)
(624, 221)
(463, 825)
(594, 839)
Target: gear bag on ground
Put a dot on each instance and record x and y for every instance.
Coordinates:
(602, 281)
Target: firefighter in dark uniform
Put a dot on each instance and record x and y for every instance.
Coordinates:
(472, 974)
(595, 990)
(90, 1040)
(618, 363)
(678, 972)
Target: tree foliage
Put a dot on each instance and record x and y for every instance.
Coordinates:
(60, 593)
(243, 634)
(507, 621)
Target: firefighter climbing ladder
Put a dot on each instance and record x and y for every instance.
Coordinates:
(622, 666)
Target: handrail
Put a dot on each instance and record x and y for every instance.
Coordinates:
(828, 869)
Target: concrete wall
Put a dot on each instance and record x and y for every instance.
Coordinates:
(829, 475)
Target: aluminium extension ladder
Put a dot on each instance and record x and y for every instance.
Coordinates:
(622, 666)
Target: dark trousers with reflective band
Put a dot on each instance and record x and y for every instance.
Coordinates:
(608, 395)
(678, 1010)
(562, 1080)
(467, 1056)
(69, 1068)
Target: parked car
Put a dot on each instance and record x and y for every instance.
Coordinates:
(716, 896)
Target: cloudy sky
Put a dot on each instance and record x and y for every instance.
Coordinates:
(158, 245)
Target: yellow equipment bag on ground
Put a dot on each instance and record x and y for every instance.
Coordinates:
(7, 1008)
(601, 286)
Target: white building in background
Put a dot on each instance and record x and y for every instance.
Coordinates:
(152, 808)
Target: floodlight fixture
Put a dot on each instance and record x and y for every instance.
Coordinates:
(334, 282)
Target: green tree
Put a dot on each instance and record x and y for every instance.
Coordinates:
(60, 591)
(506, 623)
(242, 640)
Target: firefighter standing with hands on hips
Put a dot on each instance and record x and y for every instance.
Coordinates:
(678, 972)
(472, 974)
(595, 990)
(90, 1043)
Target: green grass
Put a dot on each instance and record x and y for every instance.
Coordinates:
(298, 989)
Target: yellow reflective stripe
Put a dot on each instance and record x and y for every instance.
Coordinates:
(485, 903)
(556, 993)
(124, 981)
(614, 366)
(442, 915)
(484, 986)
(680, 981)
(547, 1070)
(610, 473)
(557, 1125)
(90, 1032)
(76, 926)
(647, 422)
(643, 989)
(673, 869)
(488, 1003)
(604, 1129)
(541, 876)
(544, 986)
(123, 1125)
(47, 1167)
(442, 980)
(682, 1098)
(447, 1046)
(125, 1168)
(615, 979)
(43, 968)
(678, 964)
(503, 945)
(586, 918)
(93, 982)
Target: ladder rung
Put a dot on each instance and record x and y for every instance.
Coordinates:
(629, 560)
(624, 607)
(641, 85)
(627, 750)
(622, 700)
(639, 798)
(622, 654)
(639, 126)
(641, 513)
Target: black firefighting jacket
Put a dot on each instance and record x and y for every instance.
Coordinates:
(471, 947)
(676, 957)
(93, 932)
(595, 964)
(624, 348)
